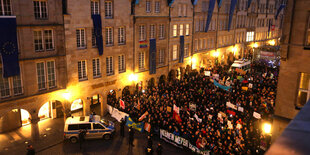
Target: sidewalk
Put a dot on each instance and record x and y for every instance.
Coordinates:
(48, 133)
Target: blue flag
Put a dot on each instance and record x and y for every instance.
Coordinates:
(181, 56)
(152, 56)
(210, 12)
(219, 3)
(98, 32)
(137, 2)
(249, 3)
(138, 126)
(282, 6)
(221, 86)
(231, 12)
(8, 46)
(194, 2)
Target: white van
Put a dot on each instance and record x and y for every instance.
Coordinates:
(95, 128)
(241, 64)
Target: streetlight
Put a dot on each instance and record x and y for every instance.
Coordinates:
(266, 128)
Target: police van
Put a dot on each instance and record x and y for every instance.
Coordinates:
(241, 64)
(95, 128)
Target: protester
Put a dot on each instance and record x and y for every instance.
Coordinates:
(30, 150)
(122, 127)
(204, 119)
(131, 136)
(159, 149)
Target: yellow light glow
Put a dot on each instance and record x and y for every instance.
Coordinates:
(66, 96)
(25, 116)
(194, 60)
(272, 42)
(267, 128)
(133, 77)
(44, 111)
(216, 53)
(234, 49)
(255, 45)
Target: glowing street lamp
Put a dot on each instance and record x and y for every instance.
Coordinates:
(255, 45)
(216, 53)
(133, 77)
(66, 96)
(272, 42)
(266, 128)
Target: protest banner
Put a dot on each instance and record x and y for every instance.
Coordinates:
(221, 86)
(192, 106)
(256, 115)
(207, 73)
(168, 109)
(230, 126)
(115, 113)
(147, 127)
(180, 142)
(143, 116)
(138, 126)
(231, 112)
(230, 105)
(245, 88)
(250, 85)
(241, 109)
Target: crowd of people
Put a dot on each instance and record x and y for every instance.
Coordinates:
(213, 133)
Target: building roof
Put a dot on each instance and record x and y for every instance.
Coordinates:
(295, 139)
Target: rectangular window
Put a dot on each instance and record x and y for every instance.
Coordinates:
(141, 33)
(186, 50)
(51, 76)
(80, 38)
(148, 6)
(109, 61)
(40, 9)
(108, 9)
(96, 68)
(201, 26)
(180, 10)
(196, 45)
(38, 41)
(41, 76)
(121, 35)
(181, 29)
(5, 8)
(161, 31)
(17, 85)
(48, 39)
(4, 86)
(94, 6)
(205, 6)
(197, 26)
(108, 36)
(141, 60)
(174, 52)
(175, 30)
(187, 29)
(157, 7)
(152, 31)
(93, 39)
(250, 36)
(161, 60)
(204, 44)
(121, 64)
(304, 90)
(82, 70)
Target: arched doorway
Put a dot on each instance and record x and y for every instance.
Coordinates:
(77, 107)
(14, 119)
(45, 111)
(151, 83)
(111, 98)
(162, 79)
(95, 104)
(126, 91)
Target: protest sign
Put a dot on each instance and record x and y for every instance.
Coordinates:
(192, 107)
(168, 109)
(221, 86)
(245, 88)
(240, 109)
(143, 116)
(240, 71)
(250, 85)
(256, 115)
(115, 113)
(230, 126)
(230, 105)
(147, 127)
(207, 73)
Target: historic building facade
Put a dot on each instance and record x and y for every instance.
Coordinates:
(294, 77)
(64, 73)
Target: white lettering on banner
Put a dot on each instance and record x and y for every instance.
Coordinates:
(115, 113)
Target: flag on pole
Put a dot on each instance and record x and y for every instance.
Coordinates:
(176, 111)
(282, 6)
(9, 46)
(249, 3)
(122, 104)
(143, 116)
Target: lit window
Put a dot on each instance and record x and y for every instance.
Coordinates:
(141, 33)
(108, 9)
(4, 86)
(304, 90)
(121, 35)
(148, 6)
(94, 6)
(250, 36)
(161, 31)
(175, 30)
(121, 64)
(141, 60)
(157, 6)
(152, 31)
(80, 38)
(174, 52)
(187, 29)
(51, 76)
(108, 36)
(181, 30)
(41, 76)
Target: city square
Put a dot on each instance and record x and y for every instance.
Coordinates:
(154, 77)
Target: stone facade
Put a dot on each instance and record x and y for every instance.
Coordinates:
(294, 61)
(141, 21)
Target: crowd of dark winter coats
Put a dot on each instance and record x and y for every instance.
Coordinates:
(211, 134)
